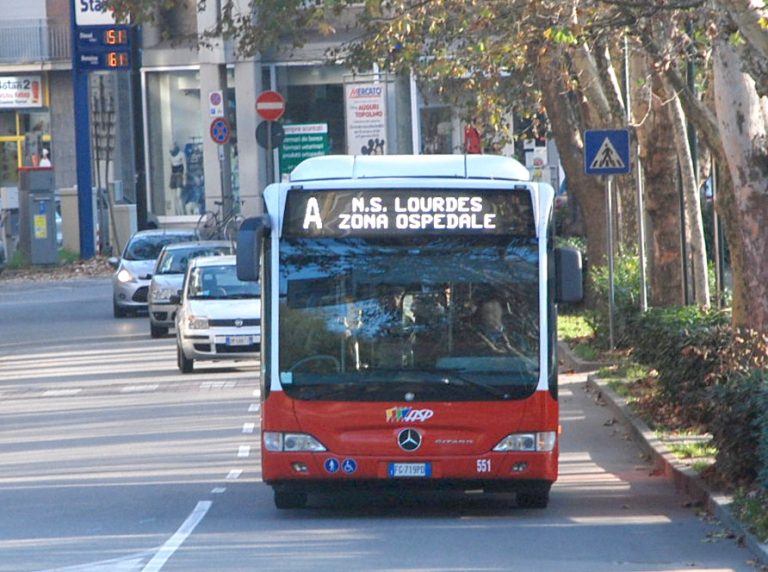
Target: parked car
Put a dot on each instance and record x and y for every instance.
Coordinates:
(168, 277)
(133, 270)
(219, 316)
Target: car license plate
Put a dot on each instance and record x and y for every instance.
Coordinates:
(405, 470)
(238, 340)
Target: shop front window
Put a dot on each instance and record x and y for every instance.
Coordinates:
(175, 142)
(314, 94)
(9, 163)
(315, 100)
(437, 130)
(25, 139)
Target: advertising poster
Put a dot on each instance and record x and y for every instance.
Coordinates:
(21, 91)
(366, 118)
(303, 141)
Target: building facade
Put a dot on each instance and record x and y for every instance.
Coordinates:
(183, 90)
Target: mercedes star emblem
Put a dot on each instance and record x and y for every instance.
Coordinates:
(409, 439)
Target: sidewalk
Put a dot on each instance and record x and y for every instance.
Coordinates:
(97, 267)
(683, 477)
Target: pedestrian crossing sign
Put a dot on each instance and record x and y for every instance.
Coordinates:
(606, 152)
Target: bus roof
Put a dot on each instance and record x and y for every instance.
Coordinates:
(489, 167)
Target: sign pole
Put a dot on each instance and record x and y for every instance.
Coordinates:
(270, 106)
(606, 152)
(609, 226)
(270, 155)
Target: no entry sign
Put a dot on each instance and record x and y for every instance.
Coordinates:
(270, 105)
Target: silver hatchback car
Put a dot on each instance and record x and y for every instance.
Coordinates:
(133, 270)
(219, 316)
(168, 277)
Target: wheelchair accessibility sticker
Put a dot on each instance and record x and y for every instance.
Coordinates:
(349, 466)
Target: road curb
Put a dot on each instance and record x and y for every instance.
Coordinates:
(683, 477)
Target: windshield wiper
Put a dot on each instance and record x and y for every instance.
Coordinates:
(455, 376)
(241, 297)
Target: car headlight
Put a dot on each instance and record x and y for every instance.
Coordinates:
(543, 441)
(162, 295)
(291, 442)
(197, 322)
(125, 275)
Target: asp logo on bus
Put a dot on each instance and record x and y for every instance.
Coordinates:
(408, 415)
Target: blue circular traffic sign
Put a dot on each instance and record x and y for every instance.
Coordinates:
(221, 131)
(331, 465)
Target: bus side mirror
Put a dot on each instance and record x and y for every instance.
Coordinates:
(568, 275)
(249, 239)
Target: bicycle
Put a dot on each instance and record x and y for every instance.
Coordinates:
(213, 225)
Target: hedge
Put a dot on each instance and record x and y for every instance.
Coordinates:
(713, 376)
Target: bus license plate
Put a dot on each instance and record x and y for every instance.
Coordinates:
(238, 340)
(405, 470)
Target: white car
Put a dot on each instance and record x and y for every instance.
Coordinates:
(168, 278)
(219, 316)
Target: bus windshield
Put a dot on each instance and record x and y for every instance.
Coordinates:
(409, 317)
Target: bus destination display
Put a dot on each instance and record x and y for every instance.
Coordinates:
(409, 211)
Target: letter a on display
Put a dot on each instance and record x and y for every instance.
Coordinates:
(312, 214)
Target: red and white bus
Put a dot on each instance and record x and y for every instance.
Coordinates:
(408, 326)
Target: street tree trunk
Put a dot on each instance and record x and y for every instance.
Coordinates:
(742, 117)
(693, 223)
(586, 190)
(658, 159)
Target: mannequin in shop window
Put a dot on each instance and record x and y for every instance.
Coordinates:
(46, 160)
(174, 204)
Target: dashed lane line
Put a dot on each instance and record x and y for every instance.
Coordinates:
(62, 392)
(140, 388)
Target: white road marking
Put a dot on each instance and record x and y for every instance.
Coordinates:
(249, 427)
(235, 474)
(62, 392)
(254, 408)
(139, 388)
(129, 564)
(244, 451)
(218, 490)
(175, 541)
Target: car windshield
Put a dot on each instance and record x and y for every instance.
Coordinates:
(447, 318)
(176, 260)
(148, 247)
(220, 283)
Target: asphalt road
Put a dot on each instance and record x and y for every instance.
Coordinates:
(112, 461)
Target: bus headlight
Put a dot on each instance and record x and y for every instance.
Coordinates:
(291, 442)
(543, 441)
